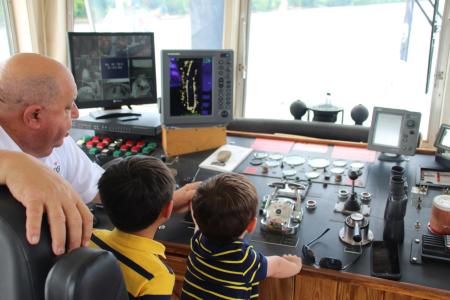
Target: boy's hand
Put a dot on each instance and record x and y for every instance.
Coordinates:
(183, 196)
(294, 259)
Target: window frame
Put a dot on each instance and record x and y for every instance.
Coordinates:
(440, 99)
(10, 30)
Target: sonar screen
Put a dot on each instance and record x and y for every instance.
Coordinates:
(191, 86)
(197, 87)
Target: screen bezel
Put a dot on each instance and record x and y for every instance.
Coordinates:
(438, 142)
(380, 147)
(166, 117)
(115, 103)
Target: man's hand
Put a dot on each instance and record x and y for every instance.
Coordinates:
(183, 196)
(40, 190)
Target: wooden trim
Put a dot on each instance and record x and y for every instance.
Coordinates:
(397, 287)
(307, 139)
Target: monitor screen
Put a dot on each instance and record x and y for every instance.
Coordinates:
(387, 131)
(113, 69)
(442, 141)
(394, 131)
(197, 87)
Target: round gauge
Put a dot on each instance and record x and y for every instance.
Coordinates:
(294, 160)
(272, 163)
(337, 171)
(256, 162)
(319, 163)
(275, 156)
(356, 165)
(260, 155)
(289, 173)
(312, 175)
(339, 163)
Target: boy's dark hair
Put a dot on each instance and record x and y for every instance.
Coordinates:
(224, 205)
(135, 190)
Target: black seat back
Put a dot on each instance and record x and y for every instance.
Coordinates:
(82, 274)
(23, 267)
(87, 274)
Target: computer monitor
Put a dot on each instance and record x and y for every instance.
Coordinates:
(113, 69)
(443, 138)
(442, 144)
(197, 87)
(394, 132)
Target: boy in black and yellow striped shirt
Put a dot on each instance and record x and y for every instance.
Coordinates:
(137, 194)
(221, 264)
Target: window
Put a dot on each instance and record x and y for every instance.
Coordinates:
(177, 24)
(369, 52)
(5, 49)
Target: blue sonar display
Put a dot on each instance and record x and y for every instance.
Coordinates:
(191, 86)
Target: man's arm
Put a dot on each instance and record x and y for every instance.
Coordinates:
(41, 190)
(183, 196)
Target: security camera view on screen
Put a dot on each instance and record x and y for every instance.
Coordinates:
(387, 131)
(190, 86)
(113, 67)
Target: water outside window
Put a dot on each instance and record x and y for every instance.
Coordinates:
(354, 52)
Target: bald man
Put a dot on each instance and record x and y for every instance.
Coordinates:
(36, 110)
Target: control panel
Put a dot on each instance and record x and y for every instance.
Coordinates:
(102, 149)
(224, 66)
(410, 133)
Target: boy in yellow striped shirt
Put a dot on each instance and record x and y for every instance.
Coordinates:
(137, 194)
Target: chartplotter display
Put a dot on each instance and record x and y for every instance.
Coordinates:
(394, 131)
(197, 87)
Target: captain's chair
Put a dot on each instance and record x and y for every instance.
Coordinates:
(26, 271)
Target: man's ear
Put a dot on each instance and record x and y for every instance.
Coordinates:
(167, 210)
(251, 226)
(32, 116)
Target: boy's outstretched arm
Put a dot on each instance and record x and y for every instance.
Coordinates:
(183, 196)
(283, 266)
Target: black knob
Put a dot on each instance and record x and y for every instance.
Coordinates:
(357, 233)
(298, 108)
(353, 175)
(359, 114)
(410, 123)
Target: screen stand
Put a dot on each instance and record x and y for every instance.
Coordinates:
(391, 157)
(113, 113)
